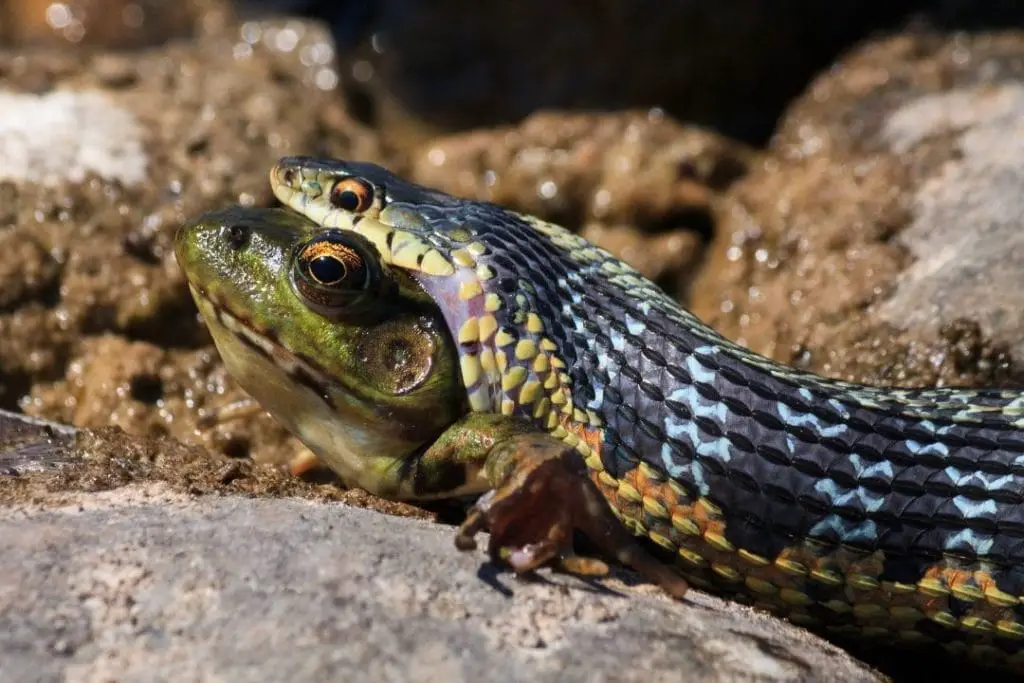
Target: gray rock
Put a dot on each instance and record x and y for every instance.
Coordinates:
(142, 584)
(966, 234)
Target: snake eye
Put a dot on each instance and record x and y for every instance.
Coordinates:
(351, 194)
(334, 270)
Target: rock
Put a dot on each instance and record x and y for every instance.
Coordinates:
(880, 240)
(31, 445)
(965, 236)
(141, 583)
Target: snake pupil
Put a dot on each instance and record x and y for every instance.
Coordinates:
(347, 200)
(327, 270)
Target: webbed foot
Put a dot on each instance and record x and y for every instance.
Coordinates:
(542, 495)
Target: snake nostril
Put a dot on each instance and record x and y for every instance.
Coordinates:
(288, 176)
(237, 235)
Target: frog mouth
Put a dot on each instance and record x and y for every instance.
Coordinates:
(265, 343)
(337, 394)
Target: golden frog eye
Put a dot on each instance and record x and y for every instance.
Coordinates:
(338, 274)
(335, 271)
(352, 194)
(329, 262)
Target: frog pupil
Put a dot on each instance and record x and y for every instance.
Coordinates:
(327, 270)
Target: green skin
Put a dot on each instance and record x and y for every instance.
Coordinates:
(370, 383)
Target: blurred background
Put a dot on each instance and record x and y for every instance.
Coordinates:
(448, 65)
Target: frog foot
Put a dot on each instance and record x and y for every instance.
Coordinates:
(543, 497)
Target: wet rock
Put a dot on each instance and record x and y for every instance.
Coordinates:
(141, 580)
(32, 445)
(636, 183)
(880, 241)
(131, 147)
(427, 66)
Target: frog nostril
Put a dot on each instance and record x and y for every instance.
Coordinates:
(237, 235)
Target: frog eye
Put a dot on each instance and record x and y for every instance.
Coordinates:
(327, 269)
(334, 270)
(329, 261)
(352, 194)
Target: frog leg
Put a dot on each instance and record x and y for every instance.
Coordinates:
(539, 494)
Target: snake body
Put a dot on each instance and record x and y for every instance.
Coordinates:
(859, 511)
